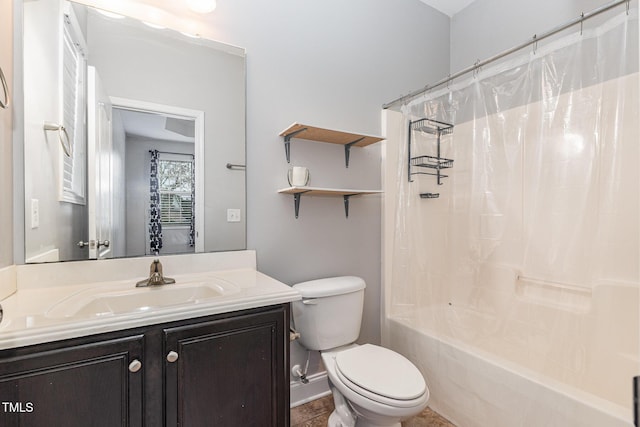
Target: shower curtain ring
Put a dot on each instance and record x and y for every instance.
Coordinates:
(582, 21)
(535, 43)
(628, 6)
(476, 68)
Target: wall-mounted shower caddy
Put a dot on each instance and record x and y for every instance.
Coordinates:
(428, 165)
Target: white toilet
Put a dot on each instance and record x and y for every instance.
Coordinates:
(371, 385)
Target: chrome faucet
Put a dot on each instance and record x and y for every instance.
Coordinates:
(155, 276)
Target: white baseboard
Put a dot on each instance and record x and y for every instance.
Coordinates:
(317, 387)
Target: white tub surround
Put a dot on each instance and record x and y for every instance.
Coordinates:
(206, 284)
(473, 387)
(517, 290)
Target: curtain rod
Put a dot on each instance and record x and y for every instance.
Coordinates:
(169, 152)
(535, 39)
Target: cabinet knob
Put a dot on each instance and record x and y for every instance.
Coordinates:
(172, 356)
(135, 365)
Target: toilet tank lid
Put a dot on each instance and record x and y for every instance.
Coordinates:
(330, 286)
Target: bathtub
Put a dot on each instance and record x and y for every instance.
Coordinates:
(543, 366)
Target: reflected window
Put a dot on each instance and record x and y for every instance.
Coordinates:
(176, 188)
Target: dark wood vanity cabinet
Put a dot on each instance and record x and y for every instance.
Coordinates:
(225, 370)
(228, 373)
(76, 385)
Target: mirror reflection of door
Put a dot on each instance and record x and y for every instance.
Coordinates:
(101, 197)
(160, 194)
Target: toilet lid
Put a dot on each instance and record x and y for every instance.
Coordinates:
(381, 371)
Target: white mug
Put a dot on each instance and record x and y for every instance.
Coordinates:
(298, 176)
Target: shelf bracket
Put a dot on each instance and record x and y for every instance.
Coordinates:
(296, 204)
(287, 143)
(346, 204)
(347, 150)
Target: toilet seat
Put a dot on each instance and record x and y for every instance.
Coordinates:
(381, 375)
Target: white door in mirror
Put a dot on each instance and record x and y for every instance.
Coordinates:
(99, 144)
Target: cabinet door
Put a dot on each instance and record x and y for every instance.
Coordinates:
(230, 372)
(81, 385)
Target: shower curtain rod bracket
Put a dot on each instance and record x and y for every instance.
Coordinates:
(476, 69)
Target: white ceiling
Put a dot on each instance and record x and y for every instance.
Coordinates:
(157, 126)
(448, 7)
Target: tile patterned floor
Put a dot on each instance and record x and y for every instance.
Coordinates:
(316, 414)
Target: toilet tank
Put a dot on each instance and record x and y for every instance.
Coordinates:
(330, 312)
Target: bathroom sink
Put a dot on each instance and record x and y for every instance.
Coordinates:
(127, 299)
(24, 322)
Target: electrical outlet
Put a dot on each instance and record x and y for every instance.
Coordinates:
(233, 215)
(35, 213)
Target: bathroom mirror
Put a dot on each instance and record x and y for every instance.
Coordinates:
(134, 137)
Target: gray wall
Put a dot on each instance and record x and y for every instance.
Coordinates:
(487, 27)
(330, 63)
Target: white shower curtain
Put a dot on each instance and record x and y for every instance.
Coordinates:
(531, 248)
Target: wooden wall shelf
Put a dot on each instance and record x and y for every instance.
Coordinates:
(312, 133)
(317, 191)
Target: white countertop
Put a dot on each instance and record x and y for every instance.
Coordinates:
(28, 312)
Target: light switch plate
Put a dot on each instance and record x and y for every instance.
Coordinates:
(233, 215)
(35, 213)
